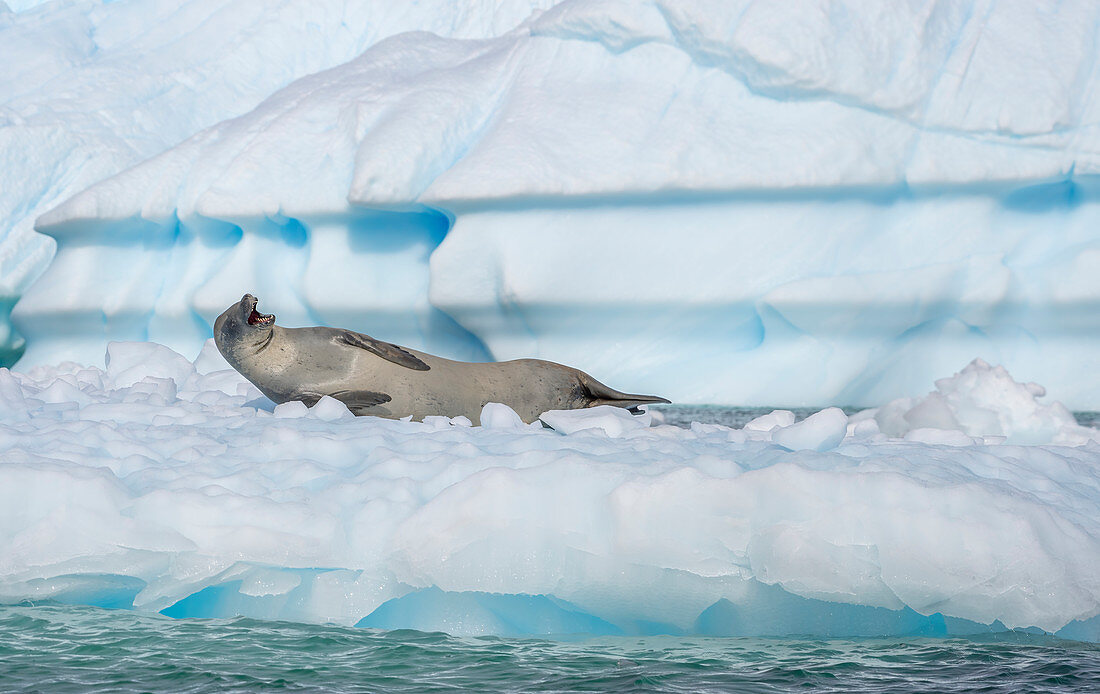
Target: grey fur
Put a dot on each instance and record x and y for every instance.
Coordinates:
(378, 378)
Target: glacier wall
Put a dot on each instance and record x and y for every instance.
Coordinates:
(853, 297)
(722, 202)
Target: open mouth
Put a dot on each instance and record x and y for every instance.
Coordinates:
(257, 318)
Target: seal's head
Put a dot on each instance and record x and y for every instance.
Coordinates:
(242, 330)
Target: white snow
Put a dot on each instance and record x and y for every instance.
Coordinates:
(162, 485)
(743, 203)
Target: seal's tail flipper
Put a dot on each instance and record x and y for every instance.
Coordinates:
(602, 395)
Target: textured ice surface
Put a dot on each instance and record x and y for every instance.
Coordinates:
(165, 485)
(747, 203)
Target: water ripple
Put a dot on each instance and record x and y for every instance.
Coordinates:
(59, 648)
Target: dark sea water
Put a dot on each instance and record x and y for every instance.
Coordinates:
(61, 648)
(684, 415)
(737, 417)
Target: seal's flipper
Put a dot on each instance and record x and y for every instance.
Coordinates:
(310, 399)
(600, 394)
(356, 400)
(360, 400)
(387, 351)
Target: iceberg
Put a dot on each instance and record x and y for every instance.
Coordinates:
(745, 203)
(94, 87)
(724, 203)
(160, 484)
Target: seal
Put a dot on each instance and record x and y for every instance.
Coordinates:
(373, 377)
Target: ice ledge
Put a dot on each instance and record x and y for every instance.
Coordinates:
(421, 118)
(163, 484)
(763, 610)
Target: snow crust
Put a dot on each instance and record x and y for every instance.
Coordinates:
(161, 484)
(738, 202)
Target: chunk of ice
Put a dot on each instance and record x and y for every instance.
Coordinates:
(613, 421)
(497, 416)
(820, 431)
